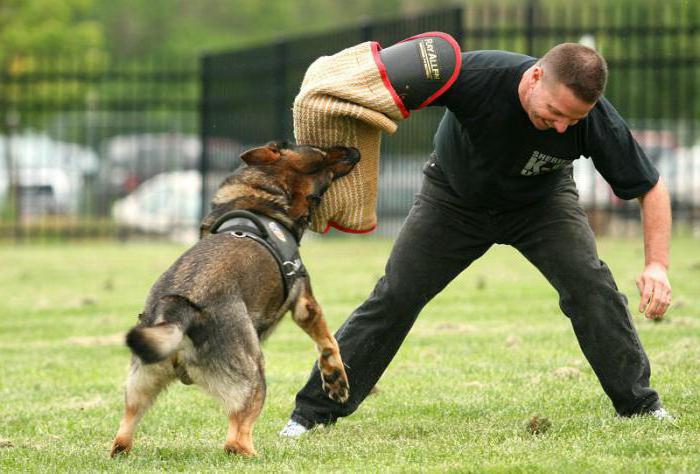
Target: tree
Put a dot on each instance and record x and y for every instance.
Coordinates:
(186, 28)
(47, 28)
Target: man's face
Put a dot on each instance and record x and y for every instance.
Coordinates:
(550, 104)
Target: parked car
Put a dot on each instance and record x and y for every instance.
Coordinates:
(129, 160)
(593, 190)
(679, 169)
(656, 143)
(167, 204)
(400, 178)
(49, 174)
(681, 172)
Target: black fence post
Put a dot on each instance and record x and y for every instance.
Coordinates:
(694, 30)
(282, 107)
(205, 104)
(458, 25)
(530, 26)
(13, 206)
(366, 32)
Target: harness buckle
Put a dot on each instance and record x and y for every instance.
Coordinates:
(293, 267)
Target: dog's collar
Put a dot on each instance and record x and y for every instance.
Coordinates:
(272, 235)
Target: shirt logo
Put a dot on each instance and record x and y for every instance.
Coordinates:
(540, 163)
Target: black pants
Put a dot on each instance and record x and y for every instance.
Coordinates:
(440, 238)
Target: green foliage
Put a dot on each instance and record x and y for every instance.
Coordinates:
(131, 29)
(485, 357)
(142, 28)
(48, 28)
(651, 45)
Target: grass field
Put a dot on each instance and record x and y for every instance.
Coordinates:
(489, 353)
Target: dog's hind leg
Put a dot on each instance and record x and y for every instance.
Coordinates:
(144, 383)
(240, 425)
(308, 315)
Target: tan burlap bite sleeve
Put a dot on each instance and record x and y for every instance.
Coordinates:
(344, 101)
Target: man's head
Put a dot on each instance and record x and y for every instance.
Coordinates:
(563, 86)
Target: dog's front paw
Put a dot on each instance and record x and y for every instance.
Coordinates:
(240, 449)
(335, 384)
(120, 447)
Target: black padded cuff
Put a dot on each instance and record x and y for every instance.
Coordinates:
(421, 68)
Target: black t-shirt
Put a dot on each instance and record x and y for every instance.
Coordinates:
(492, 155)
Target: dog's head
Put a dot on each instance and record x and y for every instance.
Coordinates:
(303, 168)
(283, 181)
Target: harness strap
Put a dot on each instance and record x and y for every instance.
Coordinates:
(269, 233)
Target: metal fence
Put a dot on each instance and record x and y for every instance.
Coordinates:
(134, 150)
(98, 150)
(248, 95)
(651, 48)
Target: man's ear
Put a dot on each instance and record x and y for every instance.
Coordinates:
(537, 73)
(261, 155)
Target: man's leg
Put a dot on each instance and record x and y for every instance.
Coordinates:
(435, 244)
(557, 238)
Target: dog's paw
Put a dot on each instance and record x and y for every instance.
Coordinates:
(335, 384)
(240, 449)
(119, 447)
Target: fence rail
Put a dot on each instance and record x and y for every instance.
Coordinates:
(651, 48)
(247, 99)
(77, 140)
(135, 150)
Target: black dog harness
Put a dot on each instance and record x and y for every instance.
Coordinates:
(269, 233)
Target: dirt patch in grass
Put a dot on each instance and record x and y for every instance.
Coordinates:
(444, 328)
(81, 404)
(566, 372)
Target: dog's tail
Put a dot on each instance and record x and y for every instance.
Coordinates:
(155, 343)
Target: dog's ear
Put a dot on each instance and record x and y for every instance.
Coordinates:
(261, 155)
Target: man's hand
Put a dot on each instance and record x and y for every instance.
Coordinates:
(655, 291)
(653, 283)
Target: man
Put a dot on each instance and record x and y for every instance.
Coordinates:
(501, 173)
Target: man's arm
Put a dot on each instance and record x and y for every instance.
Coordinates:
(653, 284)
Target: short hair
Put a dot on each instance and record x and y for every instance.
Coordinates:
(580, 68)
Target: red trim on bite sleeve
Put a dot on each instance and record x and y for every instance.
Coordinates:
(455, 73)
(339, 227)
(385, 78)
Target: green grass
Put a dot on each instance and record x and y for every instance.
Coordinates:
(481, 360)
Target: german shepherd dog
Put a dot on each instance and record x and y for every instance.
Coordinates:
(205, 317)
